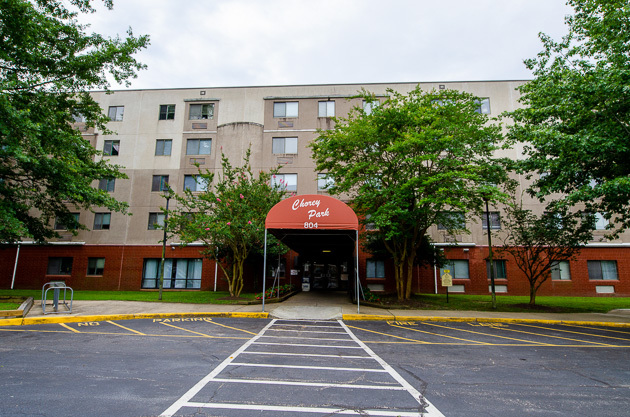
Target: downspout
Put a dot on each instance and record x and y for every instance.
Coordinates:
(17, 256)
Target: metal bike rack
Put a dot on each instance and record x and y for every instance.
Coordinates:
(56, 286)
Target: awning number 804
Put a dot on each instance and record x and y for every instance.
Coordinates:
(310, 225)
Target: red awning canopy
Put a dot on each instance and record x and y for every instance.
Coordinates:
(312, 212)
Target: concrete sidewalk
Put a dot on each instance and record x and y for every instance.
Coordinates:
(305, 305)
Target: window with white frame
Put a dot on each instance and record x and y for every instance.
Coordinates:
(167, 112)
(285, 109)
(326, 109)
(495, 220)
(96, 266)
(159, 183)
(108, 185)
(59, 266)
(287, 182)
(195, 183)
(500, 271)
(163, 147)
(600, 222)
(369, 106)
(102, 221)
(201, 111)
(560, 271)
(458, 268)
(375, 268)
(179, 273)
(156, 221)
(324, 182)
(198, 146)
(284, 145)
(484, 106)
(116, 113)
(602, 270)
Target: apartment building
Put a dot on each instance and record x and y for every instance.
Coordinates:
(162, 135)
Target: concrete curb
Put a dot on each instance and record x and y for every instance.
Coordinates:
(373, 317)
(81, 319)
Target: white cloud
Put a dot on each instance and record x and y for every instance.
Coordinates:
(250, 42)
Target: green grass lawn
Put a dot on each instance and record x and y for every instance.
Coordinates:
(9, 306)
(520, 303)
(191, 297)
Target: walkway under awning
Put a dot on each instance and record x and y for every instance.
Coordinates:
(312, 222)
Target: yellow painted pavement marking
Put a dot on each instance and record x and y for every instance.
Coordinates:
(555, 337)
(486, 334)
(569, 331)
(441, 335)
(126, 328)
(69, 328)
(597, 328)
(229, 327)
(186, 330)
(390, 335)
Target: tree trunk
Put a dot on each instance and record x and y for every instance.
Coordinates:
(532, 294)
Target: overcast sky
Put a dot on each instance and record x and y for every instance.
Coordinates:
(219, 43)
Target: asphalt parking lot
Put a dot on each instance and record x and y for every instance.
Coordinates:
(261, 367)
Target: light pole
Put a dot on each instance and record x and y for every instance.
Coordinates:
(494, 295)
(168, 198)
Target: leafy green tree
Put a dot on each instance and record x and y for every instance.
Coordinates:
(538, 243)
(410, 163)
(575, 122)
(47, 62)
(228, 217)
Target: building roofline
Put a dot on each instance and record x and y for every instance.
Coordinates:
(309, 85)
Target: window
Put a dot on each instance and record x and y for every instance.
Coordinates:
(178, 273)
(59, 225)
(159, 183)
(102, 221)
(78, 118)
(326, 109)
(324, 182)
(115, 113)
(201, 111)
(285, 145)
(600, 222)
(198, 146)
(107, 185)
(195, 183)
(288, 182)
(495, 220)
(484, 106)
(156, 220)
(499, 269)
(59, 266)
(602, 270)
(560, 271)
(111, 147)
(452, 220)
(375, 268)
(285, 109)
(458, 268)
(163, 147)
(167, 112)
(96, 266)
(368, 107)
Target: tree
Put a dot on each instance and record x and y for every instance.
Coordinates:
(47, 62)
(410, 163)
(538, 243)
(228, 217)
(575, 122)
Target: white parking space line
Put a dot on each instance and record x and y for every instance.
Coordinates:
(324, 368)
(255, 374)
(306, 331)
(321, 410)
